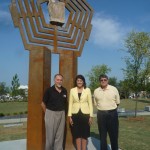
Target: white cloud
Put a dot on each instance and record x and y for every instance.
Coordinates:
(5, 17)
(107, 32)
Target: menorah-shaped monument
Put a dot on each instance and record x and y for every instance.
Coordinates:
(42, 39)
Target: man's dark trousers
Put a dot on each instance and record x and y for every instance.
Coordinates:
(108, 123)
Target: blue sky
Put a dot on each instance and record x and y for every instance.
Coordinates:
(112, 21)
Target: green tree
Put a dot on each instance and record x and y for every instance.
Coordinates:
(93, 75)
(3, 88)
(124, 89)
(22, 92)
(148, 88)
(15, 85)
(113, 81)
(137, 62)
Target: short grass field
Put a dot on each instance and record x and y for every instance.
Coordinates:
(134, 133)
(13, 108)
(15, 132)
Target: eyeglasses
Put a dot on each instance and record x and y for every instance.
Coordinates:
(103, 80)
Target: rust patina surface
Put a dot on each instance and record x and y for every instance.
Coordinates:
(42, 39)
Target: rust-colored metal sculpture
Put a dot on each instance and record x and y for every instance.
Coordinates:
(42, 39)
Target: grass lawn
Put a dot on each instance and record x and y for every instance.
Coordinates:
(129, 104)
(134, 133)
(13, 108)
(13, 133)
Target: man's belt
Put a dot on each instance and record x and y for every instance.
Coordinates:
(107, 111)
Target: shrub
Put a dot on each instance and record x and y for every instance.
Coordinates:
(2, 115)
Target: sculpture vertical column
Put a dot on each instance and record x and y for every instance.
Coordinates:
(39, 80)
(68, 68)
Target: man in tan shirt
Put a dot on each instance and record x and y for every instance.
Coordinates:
(106, 99)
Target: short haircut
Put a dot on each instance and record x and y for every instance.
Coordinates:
(58, 74)
(103, 76)
(82, 78)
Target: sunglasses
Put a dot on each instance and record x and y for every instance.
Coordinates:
(103, 80)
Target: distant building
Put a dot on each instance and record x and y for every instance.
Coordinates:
(25, 88)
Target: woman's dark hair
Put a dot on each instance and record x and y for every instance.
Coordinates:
(82, 78)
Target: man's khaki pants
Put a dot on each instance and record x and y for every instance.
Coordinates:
(55, 125)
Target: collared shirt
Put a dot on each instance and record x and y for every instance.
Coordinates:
(106, 99)
(54, 100)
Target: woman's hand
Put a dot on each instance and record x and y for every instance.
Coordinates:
(90, 121)
(71, 121)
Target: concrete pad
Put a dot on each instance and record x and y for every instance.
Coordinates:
(13, 145)
(93, 144)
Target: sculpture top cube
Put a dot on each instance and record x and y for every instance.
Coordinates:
(57, 12)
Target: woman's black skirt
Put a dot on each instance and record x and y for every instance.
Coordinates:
(81, 127)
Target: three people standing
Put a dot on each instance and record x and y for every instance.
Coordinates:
(80, 112)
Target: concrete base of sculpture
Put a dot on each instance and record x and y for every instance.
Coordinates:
(93, 144)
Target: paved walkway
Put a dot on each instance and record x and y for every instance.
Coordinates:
(16, 120)
(13, 145)
(93, 144)
(132, 113)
